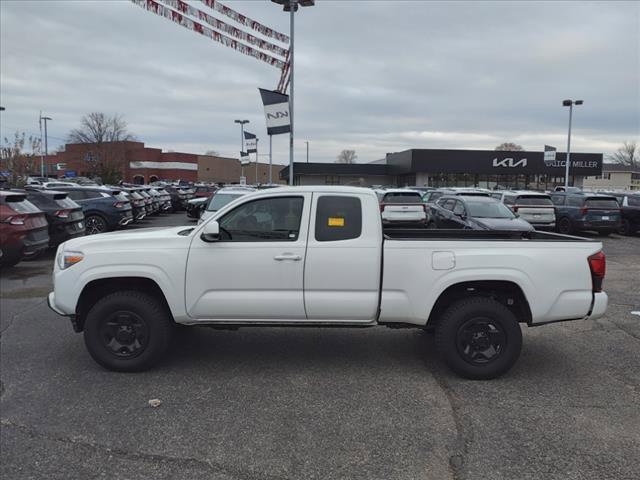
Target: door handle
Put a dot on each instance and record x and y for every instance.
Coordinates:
(287, 256)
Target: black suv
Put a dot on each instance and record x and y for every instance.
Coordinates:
(65, 217)
(586, 211)
(630, 206)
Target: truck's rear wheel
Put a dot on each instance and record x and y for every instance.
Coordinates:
(127, 331)
(478, 338)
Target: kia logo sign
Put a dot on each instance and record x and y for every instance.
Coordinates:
(510, 162)
(277, 115)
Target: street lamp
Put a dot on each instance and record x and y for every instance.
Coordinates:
(307, 142)
(570, 104)
(292, 7)
(241, 122)
(46, 149)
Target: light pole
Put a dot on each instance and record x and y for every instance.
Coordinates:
(307, 142)
(46, 149)
(256, 182)
(291, 6)
(570, 104)
(241, 122)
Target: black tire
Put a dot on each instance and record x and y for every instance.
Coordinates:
(128, 331)
(95, 224)
(625, 227)
(564, 226)
(478, 338)
(9, 259)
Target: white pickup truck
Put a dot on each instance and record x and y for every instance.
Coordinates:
(315, 257)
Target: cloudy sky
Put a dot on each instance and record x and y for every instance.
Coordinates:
(377, 76)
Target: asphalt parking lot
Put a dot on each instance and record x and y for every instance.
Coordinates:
(320, 403)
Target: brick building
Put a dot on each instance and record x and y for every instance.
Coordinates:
(136, 163)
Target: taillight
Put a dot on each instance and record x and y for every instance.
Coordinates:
(515, 208)
(381, 207)
(584, 211)
(62, 213)
(15, 220)
(597, 265)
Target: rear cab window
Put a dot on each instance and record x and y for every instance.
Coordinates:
(338, 218)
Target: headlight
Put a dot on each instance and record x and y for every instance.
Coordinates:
(68, 259)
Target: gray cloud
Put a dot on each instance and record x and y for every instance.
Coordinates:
(374, 76)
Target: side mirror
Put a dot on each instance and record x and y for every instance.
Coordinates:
(211, 232)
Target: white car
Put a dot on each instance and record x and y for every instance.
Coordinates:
(402, 206)
(320, 257)
(223, 196)
(534, 207)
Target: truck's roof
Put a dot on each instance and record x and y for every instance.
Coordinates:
(323, 189)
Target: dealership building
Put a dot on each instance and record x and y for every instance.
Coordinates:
(453, 168)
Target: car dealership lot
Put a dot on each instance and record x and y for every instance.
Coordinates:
(320, 403)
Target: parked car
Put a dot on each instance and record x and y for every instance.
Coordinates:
(137, 201)
(433, 195)
(222, 197)
(196, 206)
(402, 206)
(204, 191)
(148, 201)
(576, 212)
(104, 208)
(23, 229)
(476, 213)
(64, 216)
(165, 199)
(629, 203)
(534, 207)
(313, 256)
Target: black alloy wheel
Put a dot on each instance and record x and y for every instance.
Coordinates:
(564, 226)
(480, 340)
(124, 334)
(95, 224)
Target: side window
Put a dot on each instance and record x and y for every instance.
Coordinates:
(434, 196)
(76, 194)
(338, 218)
(557, 199)
(265, 220)
(448, 204)
(575, 201)
(458, 209)
(497, 196)
(508, 200)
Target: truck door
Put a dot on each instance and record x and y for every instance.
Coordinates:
(344, 254)
(255, 270)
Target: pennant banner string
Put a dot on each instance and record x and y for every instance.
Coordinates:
(180, 19)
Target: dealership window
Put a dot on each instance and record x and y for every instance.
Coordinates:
(332, 180)
(338, 218)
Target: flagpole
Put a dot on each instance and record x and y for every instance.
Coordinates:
(256, 160)
(292, 5)
(270, 157)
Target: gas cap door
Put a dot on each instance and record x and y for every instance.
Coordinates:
(443, 260)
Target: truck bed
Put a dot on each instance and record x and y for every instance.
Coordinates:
(458, 234)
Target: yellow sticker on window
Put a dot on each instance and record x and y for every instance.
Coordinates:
(336, 222)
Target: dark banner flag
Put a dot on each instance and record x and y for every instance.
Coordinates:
(250, 142)
(276, 111)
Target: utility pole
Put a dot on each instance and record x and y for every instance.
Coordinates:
(307, 142)
(46, 147)
(570, 104)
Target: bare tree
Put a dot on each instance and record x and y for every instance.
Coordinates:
(347, 156)
(509, 147)
(628, 154)
(103, 135)
(20, 162)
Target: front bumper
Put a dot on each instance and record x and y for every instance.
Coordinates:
(51, 301)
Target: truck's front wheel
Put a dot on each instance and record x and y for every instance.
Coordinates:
(478, 338)
(127, 331)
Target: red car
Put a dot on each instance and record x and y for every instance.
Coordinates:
(23, 229)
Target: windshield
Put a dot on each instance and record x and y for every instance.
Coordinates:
(219, 200)
(601, 203)
(402, 197)
(488, 210)
(534, 200)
